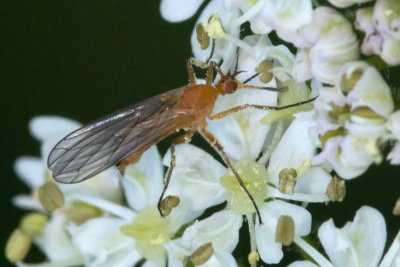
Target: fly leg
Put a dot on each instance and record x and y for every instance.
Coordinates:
(238, 108)
(213, 140)
(163, 206)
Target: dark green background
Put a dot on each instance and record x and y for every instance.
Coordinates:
(84, 59)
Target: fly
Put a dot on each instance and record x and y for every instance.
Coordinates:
(123, 136)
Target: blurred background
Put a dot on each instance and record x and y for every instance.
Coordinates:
(85, 59)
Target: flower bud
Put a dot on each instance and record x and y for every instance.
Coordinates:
(336, 190)
(33, 224)
(285, 230)
(17, 246)
(287, 181)
(50, 196)
(202, 254)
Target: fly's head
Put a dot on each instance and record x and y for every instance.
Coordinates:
(227, 85)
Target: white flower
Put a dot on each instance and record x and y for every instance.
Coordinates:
(358, 243)
(267, 15)
(346, 3)
(176, 11)
(56, 243)
(382, 33)
(393, 126)
(351, 118)
(269, 249)
(325, 44)
(225, 47)
(221, 230)
(102, 244)
(132, 234)
(34, 172)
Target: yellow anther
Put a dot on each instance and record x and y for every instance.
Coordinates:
(79, 212)
(287, 181)
(336, 190)
(17, 246)
(168, 203)
(285, 230)
(33, 224)
(51, 197)
(264, 69)
(202, 36)
(202, 254)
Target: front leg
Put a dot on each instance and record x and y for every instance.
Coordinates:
(230, 111)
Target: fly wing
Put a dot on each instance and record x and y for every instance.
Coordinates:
(102, 143)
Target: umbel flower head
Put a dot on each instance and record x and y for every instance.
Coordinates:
(342, 114)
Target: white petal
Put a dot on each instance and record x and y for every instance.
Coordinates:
(391, 50)
(179, 10)
(373, 92)
(358, 243)
(290, 15)
(242, 133)
(55, 241)
(30, 170)
(302, 67)
(346, 3)
(101, 186)
(195, 178)
(393, 123)
(44, 127)
(314, 181)
(154, 263)
(221, 229)
(394, 155)
(27, 202)
(285, 156)
(224, 49)
(220, 259)
(302, 264)
(98, 239)
(176, 252)
(364, 20)
(143, 181)
(271, 251)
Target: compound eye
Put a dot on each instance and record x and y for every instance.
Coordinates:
(230, 87)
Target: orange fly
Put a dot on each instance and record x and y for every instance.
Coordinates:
(122, 137)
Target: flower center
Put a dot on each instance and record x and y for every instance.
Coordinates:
(254, 176)
(150, 231)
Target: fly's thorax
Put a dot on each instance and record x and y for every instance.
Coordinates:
(199, 99)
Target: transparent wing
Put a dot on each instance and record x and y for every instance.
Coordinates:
(102, 143)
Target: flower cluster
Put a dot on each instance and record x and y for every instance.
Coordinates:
(287, 158)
